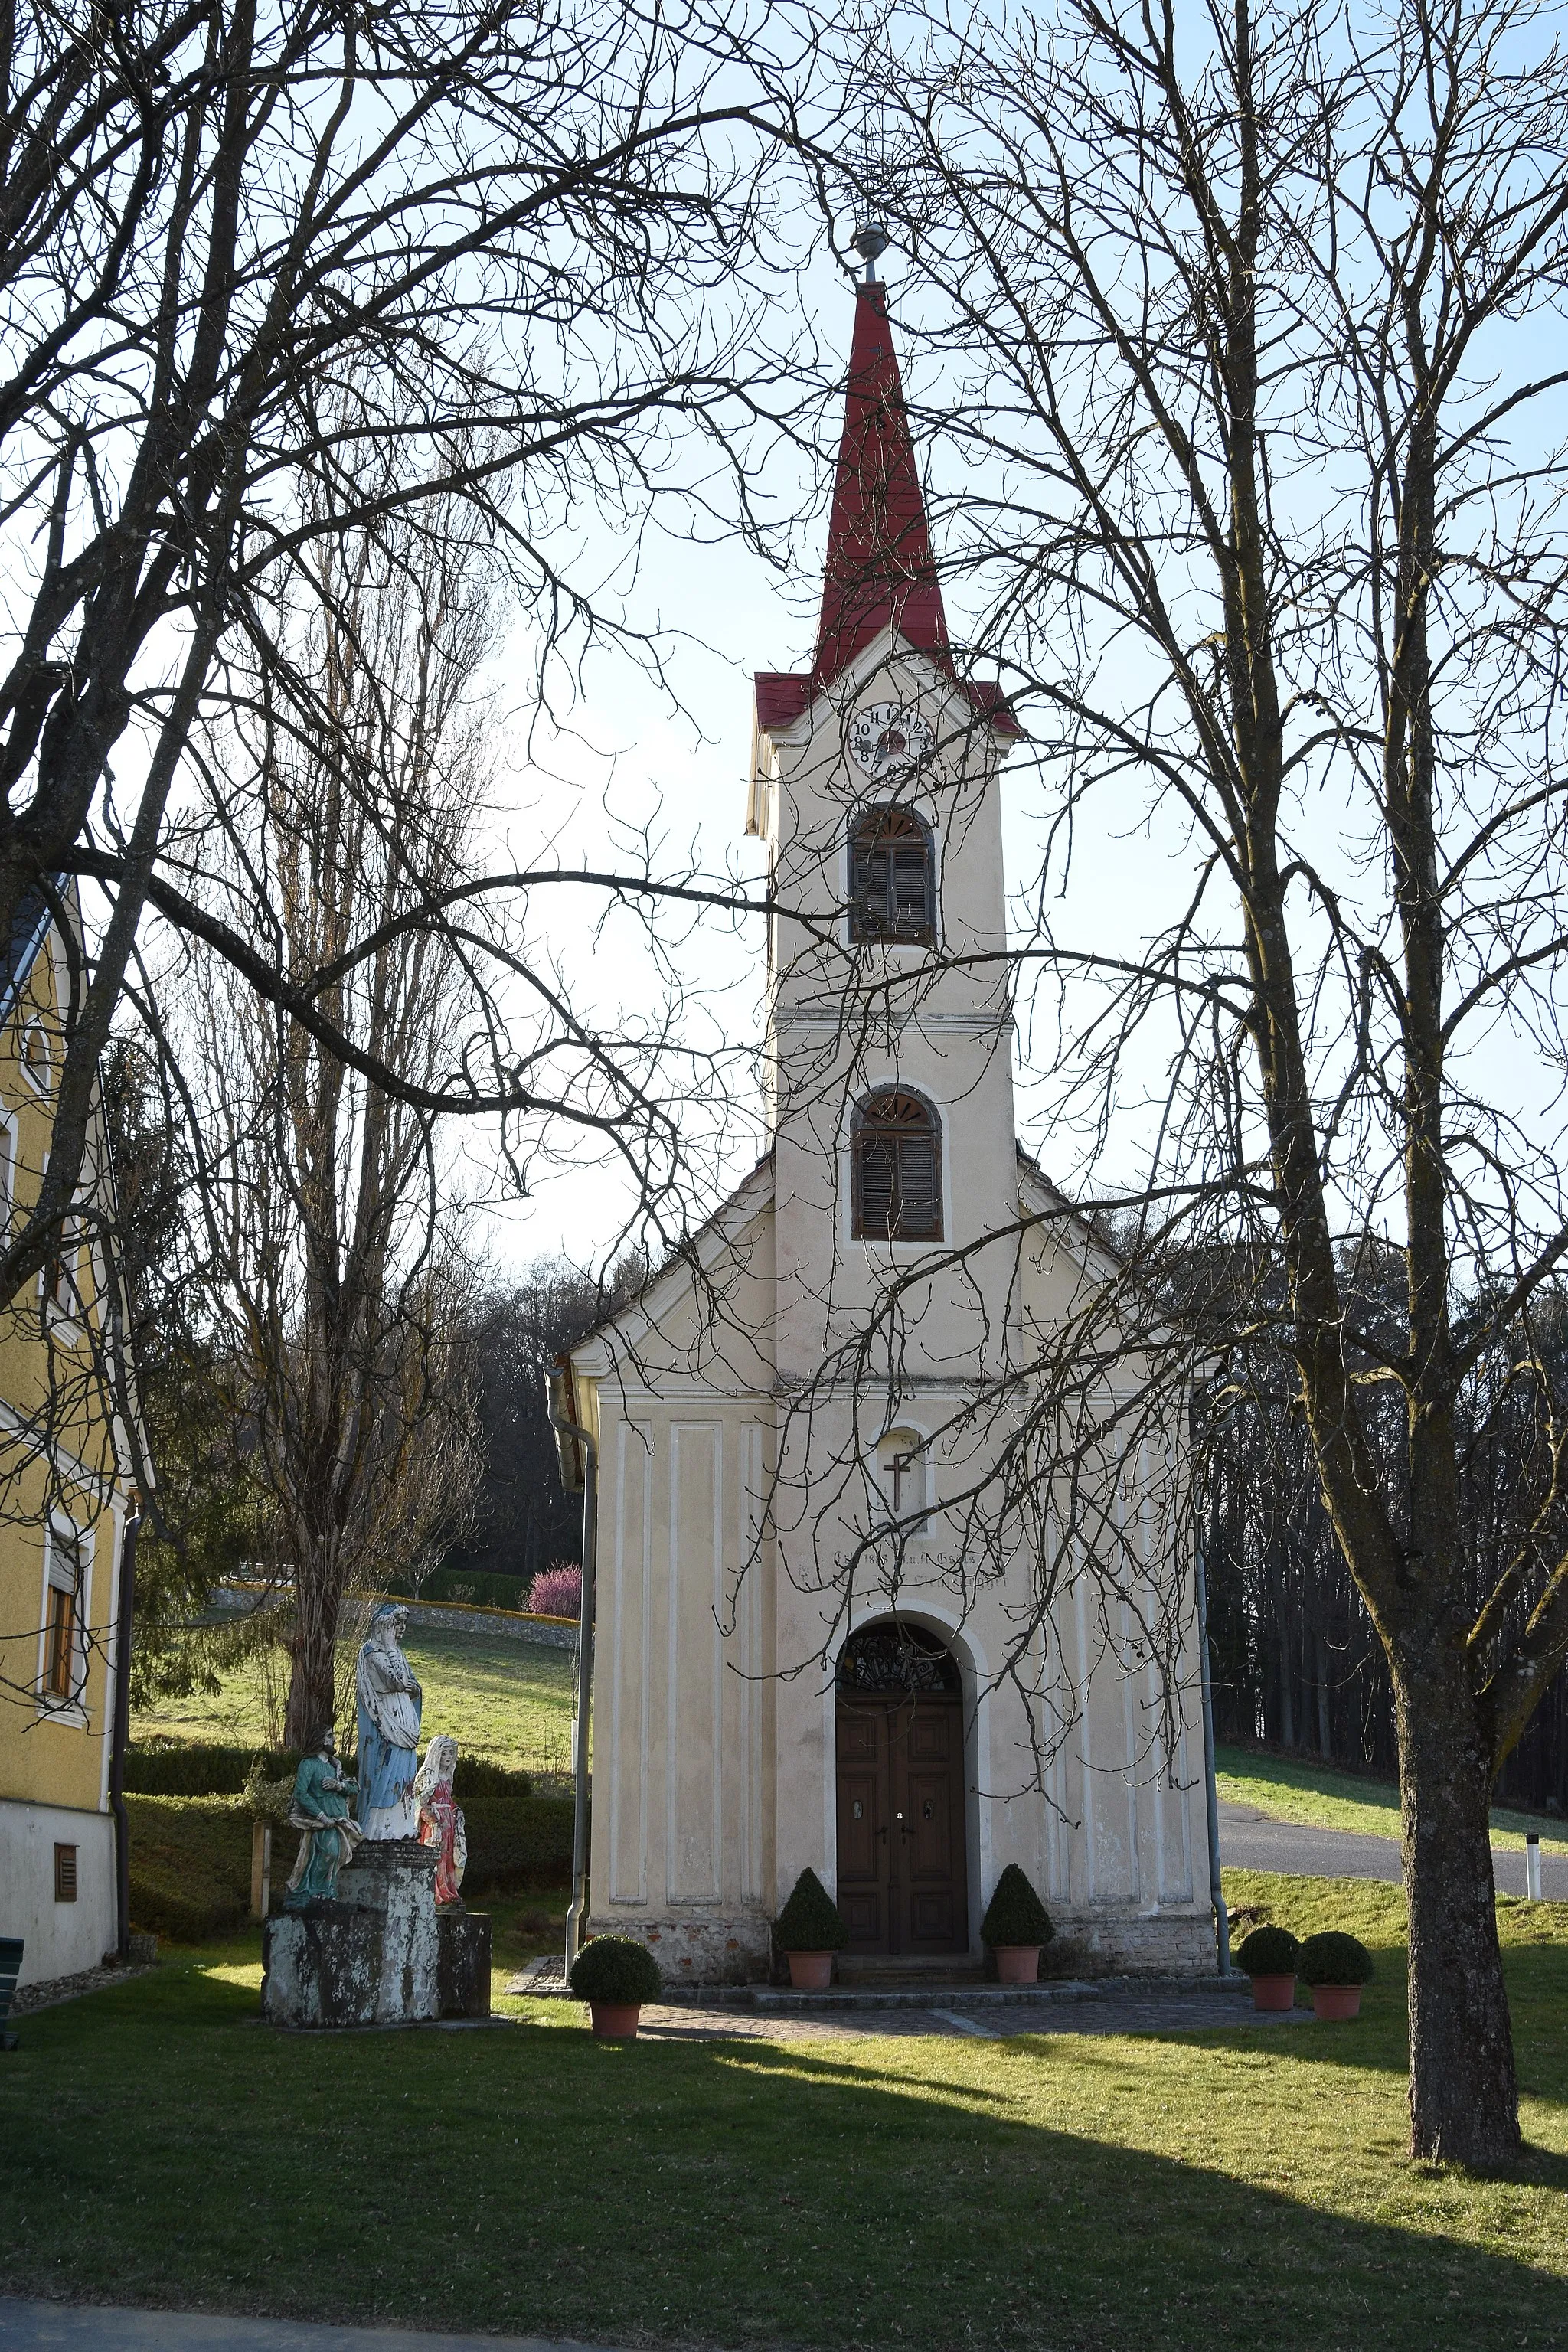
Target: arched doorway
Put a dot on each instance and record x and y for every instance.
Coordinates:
(902, 1860)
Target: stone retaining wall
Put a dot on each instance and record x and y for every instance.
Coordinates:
(450, 1616)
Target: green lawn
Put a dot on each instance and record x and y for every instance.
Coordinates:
(511, 1701)
(1294, 1789)
(1227, 2190)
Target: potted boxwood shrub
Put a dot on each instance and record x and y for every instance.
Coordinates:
(615, 1976)
(1270, 1957)
(809, 1931)
(1335, 1967)
(1016, 1925)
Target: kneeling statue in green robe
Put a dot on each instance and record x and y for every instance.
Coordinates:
(320, 1812)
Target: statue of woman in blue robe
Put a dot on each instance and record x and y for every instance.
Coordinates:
(388, 1704)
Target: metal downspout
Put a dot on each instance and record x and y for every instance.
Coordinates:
(1221, 1917)
(125, 1614)
(558, 1389)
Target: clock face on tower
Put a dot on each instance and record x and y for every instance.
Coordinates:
(888, 739)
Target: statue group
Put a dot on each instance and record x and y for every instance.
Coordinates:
(373, 1930)
(396, 1796)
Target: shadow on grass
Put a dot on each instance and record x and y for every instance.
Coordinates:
(1077, 2194)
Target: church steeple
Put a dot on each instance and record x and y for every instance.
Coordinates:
(880, 569)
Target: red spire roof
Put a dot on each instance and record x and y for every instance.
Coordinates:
(879, 568)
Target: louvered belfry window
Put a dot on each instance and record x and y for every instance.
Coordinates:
(895, 1144)
(892, 879)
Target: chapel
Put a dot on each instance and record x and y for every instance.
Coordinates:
(825, 1634)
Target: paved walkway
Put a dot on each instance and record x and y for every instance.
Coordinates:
(89, 2327)
(1157, 2009)
(1249, 1841)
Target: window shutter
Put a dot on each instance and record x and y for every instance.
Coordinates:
(59, 1643)
(65, 1874)
(876, 1161)
(892, 893)
(910, 869)
(917, 1212)
(864, 919)
(896, 1172)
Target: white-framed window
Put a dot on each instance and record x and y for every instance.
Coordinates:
(62, 1638)
(34, 1056)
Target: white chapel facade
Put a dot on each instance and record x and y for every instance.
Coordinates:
(812, 1644)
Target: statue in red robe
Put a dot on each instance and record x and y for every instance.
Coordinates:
(441, 1819)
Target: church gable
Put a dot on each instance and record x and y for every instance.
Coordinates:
(704, 1318)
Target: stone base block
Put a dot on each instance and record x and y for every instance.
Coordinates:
(1110, 1943)
(369, 1958)
(698, 1951)
(1089, 1943)
(463, 1965)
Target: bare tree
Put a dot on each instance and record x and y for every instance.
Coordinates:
(273, 275)
(333, 1236)
(1261, 487)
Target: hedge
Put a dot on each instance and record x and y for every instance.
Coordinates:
(516, 1842)
(477, 1591)
(190, 1857)
(210, 1768)
(190, 1865)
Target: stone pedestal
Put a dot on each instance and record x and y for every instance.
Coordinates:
(464, 1965)
(371, 1956)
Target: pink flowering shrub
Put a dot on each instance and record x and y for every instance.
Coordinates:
(557, 1591)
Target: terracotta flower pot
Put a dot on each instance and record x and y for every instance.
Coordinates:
(1274, 1993)
(1017, 1963)
(615, 2020)
(810, 1972)
(1336, 2003)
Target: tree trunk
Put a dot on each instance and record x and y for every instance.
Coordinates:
(1464, 2098)
(312, 1693)
(1325, 1734)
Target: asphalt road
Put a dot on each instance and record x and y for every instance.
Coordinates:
(91, 2327)
(1248, 1842)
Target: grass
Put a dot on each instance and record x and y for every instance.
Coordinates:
(1294, 1789)
(511, 1701)
(1149, 2194)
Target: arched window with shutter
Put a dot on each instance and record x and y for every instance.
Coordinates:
(892, 877)
(896, 1168)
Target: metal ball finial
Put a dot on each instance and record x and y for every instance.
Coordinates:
(870, 240)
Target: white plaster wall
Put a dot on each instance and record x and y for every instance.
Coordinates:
(714, 1737)
(846, 1019)
(61, 1938)
(684, 1696)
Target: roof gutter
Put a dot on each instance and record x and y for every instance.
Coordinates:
(124, 1612)
(578, 1452)
(1211, 1789)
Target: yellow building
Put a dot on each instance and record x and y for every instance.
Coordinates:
(65, 1495)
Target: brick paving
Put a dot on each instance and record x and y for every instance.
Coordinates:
(959, 2012)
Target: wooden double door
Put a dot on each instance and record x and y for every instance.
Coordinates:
(902, 1865)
